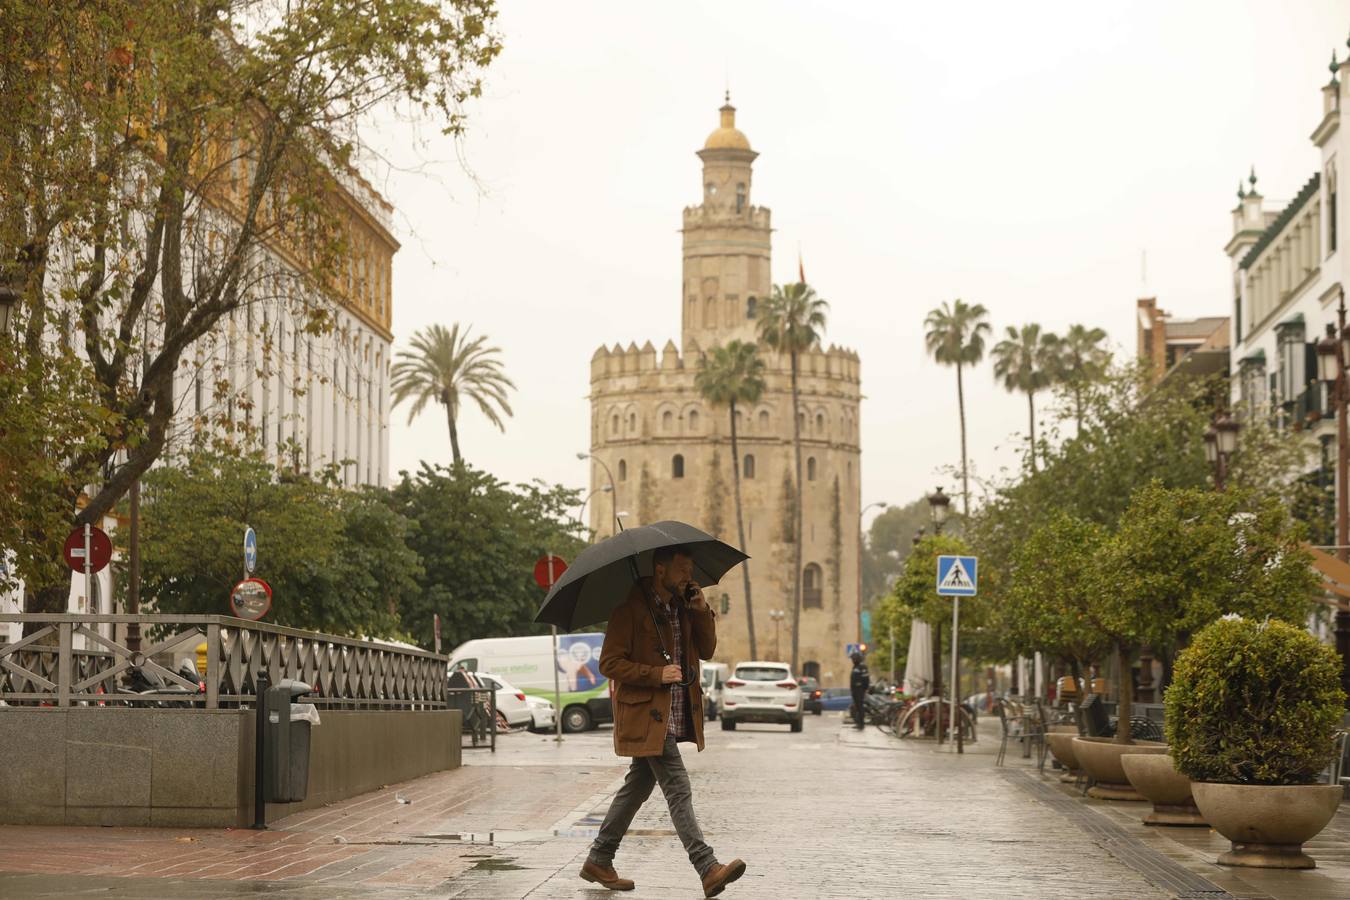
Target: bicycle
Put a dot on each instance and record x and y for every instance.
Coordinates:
(929, 717)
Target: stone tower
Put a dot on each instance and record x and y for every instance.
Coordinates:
(726, 242)
(669, 451)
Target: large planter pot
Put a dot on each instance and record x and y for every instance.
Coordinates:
(1267, 824)
(1154, 776)
(1061, 747)
(1100, 759)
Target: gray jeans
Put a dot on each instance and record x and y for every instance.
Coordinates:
(646, 772)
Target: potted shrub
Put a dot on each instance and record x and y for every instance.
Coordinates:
(1252, 713)
(1156, 778)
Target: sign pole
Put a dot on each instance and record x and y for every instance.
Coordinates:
(956, 684)
(88, 572)
(557, 685)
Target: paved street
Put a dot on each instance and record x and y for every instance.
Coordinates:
(825, 813)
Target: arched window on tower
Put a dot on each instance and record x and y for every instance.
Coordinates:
(763, 420)
(693, 420)
(614, 424)
(750, 308)
(632, 421)
(740, 197)
(820, 423)
(748, 466)
(677, 466)
(810, 468)
(812, 586)
(623, 470)
(667, 420)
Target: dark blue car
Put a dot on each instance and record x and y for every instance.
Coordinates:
(835, 699)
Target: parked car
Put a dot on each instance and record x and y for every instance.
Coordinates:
(511, 702)
(714, 676)
(542, 712)
(761, 692)
(811, 693)
(836, 700)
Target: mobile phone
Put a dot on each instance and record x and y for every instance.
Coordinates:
(690, 592)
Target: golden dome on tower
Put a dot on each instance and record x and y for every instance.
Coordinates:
(728, 136)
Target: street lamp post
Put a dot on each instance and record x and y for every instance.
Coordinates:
(613, 491)
(939, 504)
(882, 504)
(1333, 356)
(581, 522)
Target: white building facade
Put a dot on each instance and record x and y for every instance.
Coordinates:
(1289, 267)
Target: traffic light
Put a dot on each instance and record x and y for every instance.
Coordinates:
(726, 604)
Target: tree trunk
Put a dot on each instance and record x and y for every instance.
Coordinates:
(1125, 693)
(740, 531)
(798, 502)
(965, 479)
(454, 436)
(1031, 421)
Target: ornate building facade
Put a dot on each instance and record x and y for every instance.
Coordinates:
(669, 451)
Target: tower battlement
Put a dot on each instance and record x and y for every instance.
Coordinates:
(833, 362)
(702, 216)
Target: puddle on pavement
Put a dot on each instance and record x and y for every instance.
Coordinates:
(516, 837)
(497, 864)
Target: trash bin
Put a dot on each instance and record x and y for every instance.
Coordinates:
(286, 775)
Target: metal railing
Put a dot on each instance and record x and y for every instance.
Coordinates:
(45, 668)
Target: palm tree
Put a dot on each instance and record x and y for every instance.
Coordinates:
(1027, 361)
(1082, 361)
(955, 337)
(734, 374)
(449, 367)
(792, 321)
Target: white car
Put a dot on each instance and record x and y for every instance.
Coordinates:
(761, 692)
(543, 713)
(511, 702)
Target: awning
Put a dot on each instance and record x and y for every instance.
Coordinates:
(1335, 578)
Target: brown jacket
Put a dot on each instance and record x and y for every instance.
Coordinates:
(631, 659)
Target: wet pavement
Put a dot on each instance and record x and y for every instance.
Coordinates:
(829, 812)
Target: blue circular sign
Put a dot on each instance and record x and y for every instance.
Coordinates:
(250, 550)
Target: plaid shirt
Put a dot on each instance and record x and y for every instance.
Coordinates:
(678, 725)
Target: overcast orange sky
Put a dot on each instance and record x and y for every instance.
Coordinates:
(1023, 156)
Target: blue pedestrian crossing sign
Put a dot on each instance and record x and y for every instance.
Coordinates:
(957, 575)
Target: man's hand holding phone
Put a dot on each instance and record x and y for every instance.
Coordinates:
(693, 595)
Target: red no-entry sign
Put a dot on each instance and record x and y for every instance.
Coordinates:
(548, 570)
(100, 550)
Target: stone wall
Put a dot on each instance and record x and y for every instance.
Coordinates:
(193, 767)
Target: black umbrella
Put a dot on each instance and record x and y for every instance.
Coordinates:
(603, 574)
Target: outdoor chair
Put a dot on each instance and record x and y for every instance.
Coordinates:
(1092, 718)
(1014, 723)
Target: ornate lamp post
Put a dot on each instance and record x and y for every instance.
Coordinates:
(881, 504)
(777, 616)
(1220, 444)
(1333, 354)
(9, 299)
(939, 505)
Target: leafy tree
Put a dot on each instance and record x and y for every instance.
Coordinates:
(336, 560)
(156, 153)
(1026, 361)
(478, 539)
(792, 321)
(1046, 605)
(955, 337)
(449, 368)
(734, 374)
(890, 538)
(1181, 558)
(1083, 361)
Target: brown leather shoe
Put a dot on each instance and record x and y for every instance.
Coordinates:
(604, 877)
(719, 876)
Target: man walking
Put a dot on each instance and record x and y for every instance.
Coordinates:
(652, 648)
(858, 684)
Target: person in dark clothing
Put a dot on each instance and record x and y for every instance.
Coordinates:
(858, 684)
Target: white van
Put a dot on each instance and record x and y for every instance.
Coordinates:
(714, 675)
(529, 664)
